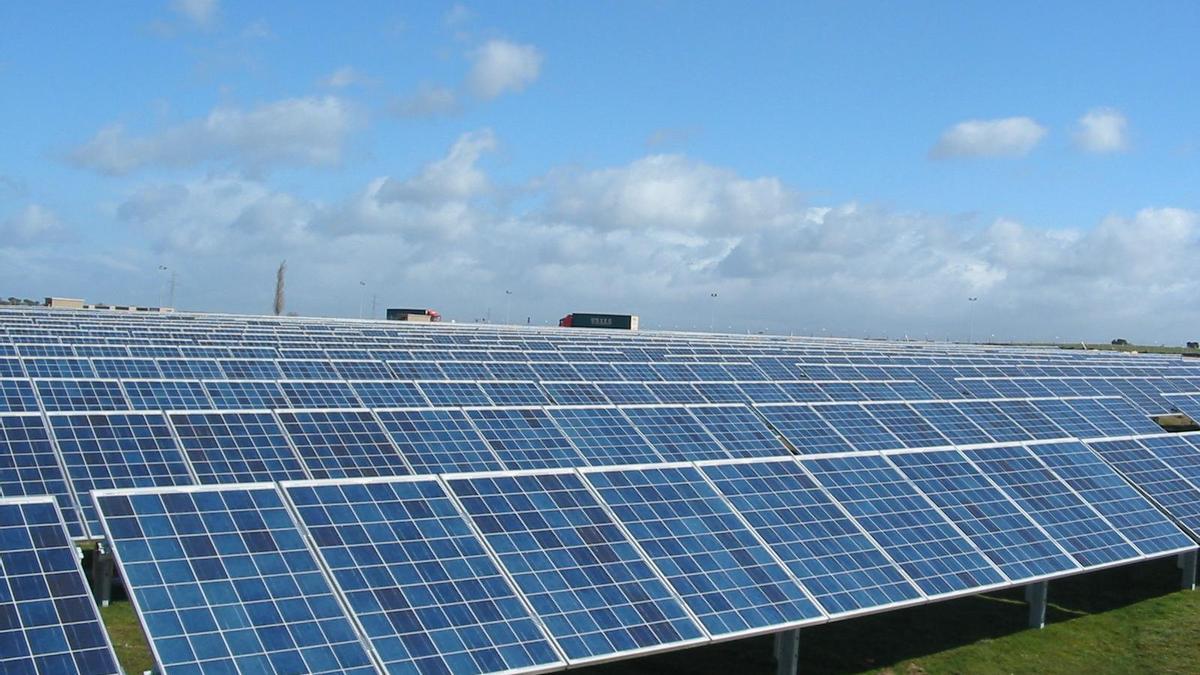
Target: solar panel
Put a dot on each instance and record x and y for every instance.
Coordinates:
(125, 368)
(1188, 404)
(991, 419)
(235, 395)
(575, 393)
(1134, 418)
(982, 512)
(50, 623)
(524, 438)
(58, 367)
(741, 432)
(514, 393)
(804, 429)
(827, 551)
(1100, 417)
(29, 467)
(675, 433)
(719, 392)
(908, 528)
(11, 368)
(1071, 422)
(116, 450)
(236, 447)
(764, 392)
(1177, 453)
(362, 370)
(951, 423)
(166, 395)
(319, 394)
(308, 370)
(676, 392)
(417, 580)
(250, 369)
(1104, 489)
(222, 581)
(342, 444)
(389, 394)
(81, 395)
(448, 393)
(1074, 525)
(587, 582)
(1172, 492)
(627, 393)
(805, 392)
(1029, 418)
(723, 573)
(416, 370)
(17, 396)
(438, 441)
(604, 436)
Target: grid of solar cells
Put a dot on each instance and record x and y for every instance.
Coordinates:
(250, 369)
(575, 393)
(807, 431)
(126, 368)
(1104, 489)
(1029, 418)
(1135, 419)
(586, 581)
(1005, 535)
(29, 467)
(514, 393)
(805, 392)
(604, 436)
(1178, 453)
(236, 447)
(1050, 502)
(342, 444)
(166, 395)
(951, 423)
(676, 392)
(416, 370)
(913, 533)
(438, 441)
(448, 393)
(675, 433)
(50, 620)
(11, 368)
(1172, 492)
(190, 369)
(722, 572)
(1101, 418)
(627, 393)
(81, 395)
(242, 394)
(998, 425)
(741, 432)
(319, 394)
(463, 370)
(103, 451)
(428, 596)
(307, 370)
(720, 392)
(827, 552)
(223, 582)
(764, 392)
(17, 396)
(389, 394)
(58, 367)
(1071, 422)
(1188, 404)
(362, 370)
(525, 438)
(909, 427)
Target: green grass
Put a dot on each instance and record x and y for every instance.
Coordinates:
(1125, 620)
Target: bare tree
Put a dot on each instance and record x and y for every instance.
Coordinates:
(279, 274)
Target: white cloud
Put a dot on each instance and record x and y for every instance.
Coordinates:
(428, 101)
(298, 131)
(1103, 130)
(343, 77)
(1007, 137)
(202, 13)
(459, 14)
(33, 224)
(454, 177)
(500, 66)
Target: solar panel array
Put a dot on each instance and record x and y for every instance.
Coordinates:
(482, 499)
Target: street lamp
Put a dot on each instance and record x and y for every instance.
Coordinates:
(362, 296)
(970, 319)
(507, 306)
(712, 312)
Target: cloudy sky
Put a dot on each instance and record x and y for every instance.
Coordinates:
(839, 168)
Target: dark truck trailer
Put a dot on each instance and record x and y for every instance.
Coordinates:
(401, 314)
(586, 320)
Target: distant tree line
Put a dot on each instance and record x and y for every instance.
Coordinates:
(10, 300)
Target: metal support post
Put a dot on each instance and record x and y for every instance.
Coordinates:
(1035, 595)
(1187, 568)
(102, 575)
(787, 652)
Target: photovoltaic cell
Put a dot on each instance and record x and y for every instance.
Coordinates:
(676, 392)
(17, 396)
(720, 392)
(1071, 422)
(1101, 417)
(1029, 418)
(525, 438)
(166, 395)
(389, 394)
(981, 511)
(827, 551)
(907, 425)
(575, 393)
(81, 395)
(223, 582)
(991, 419)
(307, 370)
(675, 433)
(190, 369)
(318, 394)
(29, 467)
(418, 581)
(58, 367)
(240, 395)
(50, 620)
(362, 370)
(590, 586)
(951, 423)
(126, 368)
(764, 392)
(913, 533)
(804, 429)
(604, 436)
(514, 393)
(627, 393)
(236, 447)
(438, 441)
(1128, 413)
(1174, 493)
(740, 431)
(250, 369)
(342, 444)
(454, 393)
(103, 451)
(722, 572)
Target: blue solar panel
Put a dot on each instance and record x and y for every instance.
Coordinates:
(1135, 419)
(604, 436)
(102, 451)
(627, 393)
(593, 591)
(416, 370)
(166, 395)
(1071, 422)
(58, 367)
(575, 393)
(764, 392)
(342, 444)
(428, 596)
(389, 394)
(525, 438)
(81, 395)
(951, 423)
(223, 582)
(826, 550)
(1100, 417)
(227, 395)
(236, 447)
(726, 577)
(992, 420)
(11, 368)
(675, 433)
(719, 392)
(438, 441)
(1034, 422)
(250, 369)
(1005, 535)
(50, 621)
(917, 536)
(126, 368)
(308, 370)
(1188, 404)
(676, 392)
(1101, 487)
(1173, 493)
(514, 393)
(1074, 525)
(462, 370)
(29, 467)
(907, 425)
(1178, 453)
(319, 394)
(805, 392)
(858, 427)
(454, 393)
(741, 432)
(17, 396)
(362, 370)
(804, 429)
(190, 369)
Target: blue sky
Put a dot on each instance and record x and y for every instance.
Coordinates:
(860, 168)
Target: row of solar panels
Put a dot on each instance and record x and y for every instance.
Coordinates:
(69, 455)
(499, 572)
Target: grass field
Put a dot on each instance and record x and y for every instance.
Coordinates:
(1125, 620)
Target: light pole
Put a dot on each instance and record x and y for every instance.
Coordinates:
(712, 312)
(970, 319)
(507, 306)
(362, 296)
(162, 289)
